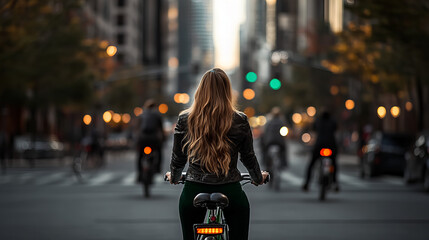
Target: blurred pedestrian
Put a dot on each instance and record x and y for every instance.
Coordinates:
(272, 137)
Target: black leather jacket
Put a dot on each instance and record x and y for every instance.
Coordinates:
(240, 135)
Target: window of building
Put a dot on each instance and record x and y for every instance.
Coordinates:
(121, 38)
(121, 3)
(120, 20)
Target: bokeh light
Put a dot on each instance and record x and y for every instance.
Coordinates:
(253, 121)
(284, 131)
(249, 111)
(184, 98)
(111, 51)
(350, 104)
(116, 117)
(87, 119)
(306, 137)
(251, 77)
(381, 112)
(395, 111)
(275, 84)
(261, 120)
(334, 90)
(138, 111)
(409, 106)
(311, 111)
(248, 94)
(163, 108)
(297, 118)
(107, 116)
(126, 118)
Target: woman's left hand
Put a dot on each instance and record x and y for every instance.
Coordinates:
(265, 174)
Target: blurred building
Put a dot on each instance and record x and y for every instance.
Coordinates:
(195, 45)
(120, 24)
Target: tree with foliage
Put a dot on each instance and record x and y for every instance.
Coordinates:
(44, 57)
(386, 49)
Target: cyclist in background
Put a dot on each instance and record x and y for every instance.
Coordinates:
(272, 136)
(325, 128)
(151, 133)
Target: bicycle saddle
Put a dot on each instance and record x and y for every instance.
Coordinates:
(211, 201)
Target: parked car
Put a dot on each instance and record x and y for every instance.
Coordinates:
(385, 153)
(42, 147)
(417, 161)
(118, 141)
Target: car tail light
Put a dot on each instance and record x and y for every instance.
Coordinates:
(325, 152)
(209, 230)
(213, 219)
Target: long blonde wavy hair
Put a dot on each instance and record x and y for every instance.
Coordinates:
(209, 120)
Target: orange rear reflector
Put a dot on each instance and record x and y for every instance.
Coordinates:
(147, 150)
(209, 230)
(325, 152)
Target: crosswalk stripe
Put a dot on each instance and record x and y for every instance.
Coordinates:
(102, 178)
(50, 178)
(291, 178)
(391, 180)
(126, 178)
(351, 181)
(129, 179)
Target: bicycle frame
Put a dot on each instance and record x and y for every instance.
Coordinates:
(326, 172)
(147, 171)
(214, 226)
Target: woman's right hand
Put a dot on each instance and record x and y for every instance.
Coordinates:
(265, 174)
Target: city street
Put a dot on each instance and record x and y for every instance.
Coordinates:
(49, 203)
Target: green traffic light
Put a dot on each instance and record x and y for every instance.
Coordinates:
(275, 84)
(251, 77)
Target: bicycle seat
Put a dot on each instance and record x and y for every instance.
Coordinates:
(211, 200)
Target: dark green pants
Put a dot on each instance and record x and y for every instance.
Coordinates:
(237, 214)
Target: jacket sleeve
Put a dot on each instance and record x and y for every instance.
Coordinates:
(247, 154)
(178, 157)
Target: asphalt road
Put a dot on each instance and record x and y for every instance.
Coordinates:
(48, 202)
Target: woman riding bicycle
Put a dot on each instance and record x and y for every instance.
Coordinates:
(209, 135)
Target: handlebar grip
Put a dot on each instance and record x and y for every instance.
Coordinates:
(268, 178)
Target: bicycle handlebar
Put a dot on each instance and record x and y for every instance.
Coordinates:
(244, 177)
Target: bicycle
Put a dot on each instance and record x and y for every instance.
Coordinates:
(274, 167)
(87, 156)
(214, 226)
(147, 165)
(326, 172)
